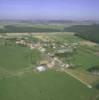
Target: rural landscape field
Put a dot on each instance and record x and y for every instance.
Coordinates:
(48, 65)
(49, 49)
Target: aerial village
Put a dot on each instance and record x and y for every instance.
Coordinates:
(52, 51)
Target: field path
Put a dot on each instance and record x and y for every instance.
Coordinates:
(83, 82)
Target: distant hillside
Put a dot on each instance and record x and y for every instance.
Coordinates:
(23, 28)
(89, 32)
(12, 26)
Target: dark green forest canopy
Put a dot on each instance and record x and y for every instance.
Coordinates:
(89, 32)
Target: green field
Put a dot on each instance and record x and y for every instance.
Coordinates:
(44, 86)
(16, 58)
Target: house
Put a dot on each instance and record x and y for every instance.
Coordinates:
(21, 42)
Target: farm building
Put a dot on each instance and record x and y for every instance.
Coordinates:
(41, 68)
(66, 50)
(42, 49)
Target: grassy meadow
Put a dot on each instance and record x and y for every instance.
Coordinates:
(13, 59)
(49, 85)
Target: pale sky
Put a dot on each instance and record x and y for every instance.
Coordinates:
(49, 9)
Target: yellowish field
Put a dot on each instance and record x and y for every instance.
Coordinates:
(88, 43)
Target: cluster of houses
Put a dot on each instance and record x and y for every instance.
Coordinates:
(30, 44)
(51, 60)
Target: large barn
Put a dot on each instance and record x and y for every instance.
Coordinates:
(41, 68)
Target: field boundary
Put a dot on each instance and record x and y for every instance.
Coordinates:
(75, 77)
